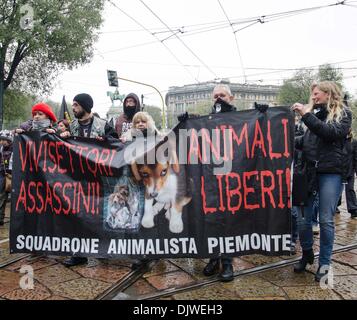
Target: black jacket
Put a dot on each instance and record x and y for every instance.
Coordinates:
(351, 157)
(323, 143)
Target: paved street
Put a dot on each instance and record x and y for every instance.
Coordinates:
(256, 277)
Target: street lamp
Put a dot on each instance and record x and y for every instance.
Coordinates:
(113, 81)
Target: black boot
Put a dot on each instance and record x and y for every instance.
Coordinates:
(227, 273)
(307, 257)
(75, 261)
(211, 268)
(141, 264)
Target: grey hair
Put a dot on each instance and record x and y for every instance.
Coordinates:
(225, 87)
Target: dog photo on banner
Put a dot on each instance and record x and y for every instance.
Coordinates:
(123, 204)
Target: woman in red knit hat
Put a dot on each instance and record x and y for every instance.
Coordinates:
(43, 119)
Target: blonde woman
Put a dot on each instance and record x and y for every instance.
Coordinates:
(328, 122)
(143, 124)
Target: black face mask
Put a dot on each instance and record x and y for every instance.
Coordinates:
(221, 106)
(130, 112)
(320, 111)
(320, 106)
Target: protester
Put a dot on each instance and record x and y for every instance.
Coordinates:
(351, 164)
(86, 125)
(62, 126)
(223, 98)
(6, 139)
(43, 119)
(299, 131)
(143, 126)
(131, 106)
(328, 122)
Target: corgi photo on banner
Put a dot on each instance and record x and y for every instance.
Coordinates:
(166, 189)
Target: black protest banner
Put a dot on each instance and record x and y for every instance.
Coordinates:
(223, 189)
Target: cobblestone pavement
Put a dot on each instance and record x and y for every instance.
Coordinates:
(53, 281)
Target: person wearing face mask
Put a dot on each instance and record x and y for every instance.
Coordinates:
(125, 120)
(328, 122)
(43, 119)
(223, 99)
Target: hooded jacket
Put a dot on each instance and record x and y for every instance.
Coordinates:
(124, 123)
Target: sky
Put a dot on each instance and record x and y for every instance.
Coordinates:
(168, 43)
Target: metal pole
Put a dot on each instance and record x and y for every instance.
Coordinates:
(162, 99)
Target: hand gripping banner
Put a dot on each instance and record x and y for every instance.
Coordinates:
(215, 185)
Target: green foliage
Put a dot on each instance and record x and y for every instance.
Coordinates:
(17, 108)
(57, 35)
(202, 108)
(353, 106)
(156, 114)
(297, 89)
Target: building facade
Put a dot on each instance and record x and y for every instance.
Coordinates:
(197, 97)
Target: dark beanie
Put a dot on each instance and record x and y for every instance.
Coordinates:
(85, 101)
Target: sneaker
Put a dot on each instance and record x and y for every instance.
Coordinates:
(315, 229)
(337, 211)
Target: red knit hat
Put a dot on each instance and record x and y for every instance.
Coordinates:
(46, 109)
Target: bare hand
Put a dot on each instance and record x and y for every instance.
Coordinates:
(65, 134)
(300, 108)
(51, 131)
(100, 138)
(19, 131)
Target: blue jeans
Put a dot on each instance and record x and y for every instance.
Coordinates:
(329, 192)
(294, 229)
(315, 210)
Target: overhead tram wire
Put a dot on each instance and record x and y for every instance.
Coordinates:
(214, 26)
(178, 38)
(236, 41)
(158, 39)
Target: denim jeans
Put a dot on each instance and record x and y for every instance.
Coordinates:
(294, 229)
(315, 210)
(329, 192)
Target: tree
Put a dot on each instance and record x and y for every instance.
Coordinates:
(156, 114)
(328, 73)
(17, 108)
(353, 106)
(297, 89)
(40, 38)
(202, 108)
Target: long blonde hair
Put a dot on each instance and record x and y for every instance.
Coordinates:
(142, 115)
(335, 106)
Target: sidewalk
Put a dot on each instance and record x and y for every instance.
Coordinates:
(177, 279)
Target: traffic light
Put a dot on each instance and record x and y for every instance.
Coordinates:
(112, 78)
